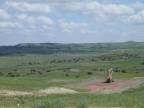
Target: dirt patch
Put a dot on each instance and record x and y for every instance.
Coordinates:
(43, 92)
(99, 86)
(55, 90)
(94, 86)
(14, 93)
(116, 86)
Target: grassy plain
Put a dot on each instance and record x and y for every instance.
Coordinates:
(40, 71)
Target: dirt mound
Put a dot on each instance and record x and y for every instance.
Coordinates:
(116, 86)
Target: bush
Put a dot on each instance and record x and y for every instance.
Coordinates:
(33, 70)
(89, 73)
(95, 69)
(15, 70)
(30, 63)
(123, 71)
(10, 74)
(101, 69)
(117, 69)
(67, 75)
(17, 75)
(142, 63)
(77, 76)
(40, 73)
(1, 74)
(48, 71)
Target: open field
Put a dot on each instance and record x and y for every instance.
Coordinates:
(71, 53)
(73, 80)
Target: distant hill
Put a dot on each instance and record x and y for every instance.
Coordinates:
(52, 48)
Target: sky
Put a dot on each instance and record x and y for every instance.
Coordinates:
(71, 21)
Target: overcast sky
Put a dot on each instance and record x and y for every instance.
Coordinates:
(71, 21)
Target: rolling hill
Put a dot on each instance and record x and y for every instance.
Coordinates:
(52, 48)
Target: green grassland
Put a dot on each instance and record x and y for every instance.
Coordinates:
(30, 71)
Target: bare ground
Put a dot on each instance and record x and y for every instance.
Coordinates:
(94, 86)
(98, 86)
(116, 86)
(43, 92)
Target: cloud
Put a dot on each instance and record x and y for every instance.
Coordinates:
(4, 14)
(137, 5)
(27, 22)
(9, 25)
(29, 7)
(117, 9)
(46, 23)
(110, 13)
(25, 18)
(45, 20)
(35, 22)
(99, 8)
(100, 11)
(73, 26)
(136, 18)
(93, 11)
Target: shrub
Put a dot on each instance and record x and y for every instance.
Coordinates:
(15, 70)
(30, 63)
(1, 74)
(33, 70)
(101, 69)
(117, 69)
(89, 73)
(95, 69)
(48, 71)
(67, 75)
(10, 74)
(17, 75)
(123, 71)
(142, 63)
(40, 73)
(77, 76)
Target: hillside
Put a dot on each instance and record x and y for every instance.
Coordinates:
(52, 48)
